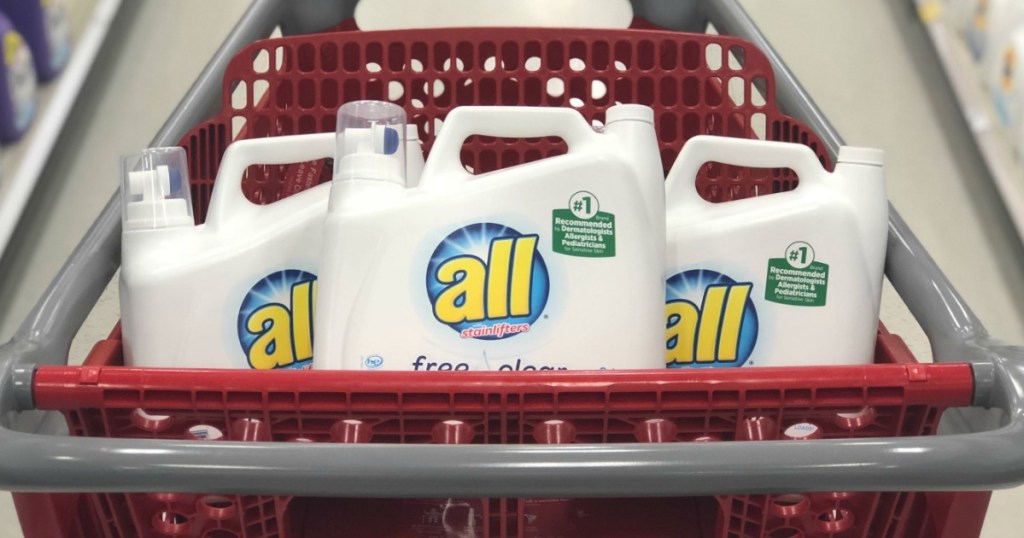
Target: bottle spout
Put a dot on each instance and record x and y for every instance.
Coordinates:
(633, 128)
(619, 113)
(155, 190)
(861, 178)
(862, 156)
(371, 142)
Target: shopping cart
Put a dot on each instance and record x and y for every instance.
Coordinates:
(758, 484)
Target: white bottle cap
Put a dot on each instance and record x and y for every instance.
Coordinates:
(412, 133)
(155, 190)
(857, 155)
(629, 113)
(370, 142)
(414, 160)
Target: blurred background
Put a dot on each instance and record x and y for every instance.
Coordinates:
(869, 64)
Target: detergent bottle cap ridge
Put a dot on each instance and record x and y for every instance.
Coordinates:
(155, 190)
(370, 142)
(629, 113)
(858, 155)
(412, 132)
(414, 160)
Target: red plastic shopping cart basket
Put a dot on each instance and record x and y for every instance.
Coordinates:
(697, 84)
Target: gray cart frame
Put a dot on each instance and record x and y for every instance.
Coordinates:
(971, 455)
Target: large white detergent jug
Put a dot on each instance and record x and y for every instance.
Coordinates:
(553, 264)
(235, 292)
(789, 279)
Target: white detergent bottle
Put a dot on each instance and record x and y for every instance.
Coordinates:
(235, 292)
(788, 279)
(553, 264)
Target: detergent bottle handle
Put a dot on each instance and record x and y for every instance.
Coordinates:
(680, 185)
(444, 167)
(227, 200)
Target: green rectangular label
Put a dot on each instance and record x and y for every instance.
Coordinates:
(588, 238)
(797, 287)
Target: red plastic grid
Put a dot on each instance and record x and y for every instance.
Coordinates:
(697, 84)
(901, 397)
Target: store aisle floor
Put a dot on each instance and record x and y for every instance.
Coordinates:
(868, 64)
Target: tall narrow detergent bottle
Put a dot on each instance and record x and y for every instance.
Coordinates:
(237, 291)
(788, 279)
(553, 264)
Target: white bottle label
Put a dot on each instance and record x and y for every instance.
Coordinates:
(487, 282)
(486, 294)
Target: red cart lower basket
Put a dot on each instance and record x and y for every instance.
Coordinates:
(897, 396)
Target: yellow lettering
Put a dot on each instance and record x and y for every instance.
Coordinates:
(273, 346)
(467, 289)
(710, 321)
(732, 322)
(681, 326)
(522, 274)
(498, 265)
(708, 334)
(303, 310)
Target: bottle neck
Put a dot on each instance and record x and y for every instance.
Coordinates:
(352, 194)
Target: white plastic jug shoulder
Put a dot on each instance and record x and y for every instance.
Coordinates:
(235, 292)
(553, 264)
(789, 279)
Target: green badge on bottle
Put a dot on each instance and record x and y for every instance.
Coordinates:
(582, 229)
(797, 279)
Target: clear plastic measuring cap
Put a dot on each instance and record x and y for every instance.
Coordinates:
(370, 142)
(155, 190)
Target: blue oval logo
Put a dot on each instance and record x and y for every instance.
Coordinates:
(710, 320)
(275, 321)
(488, 281)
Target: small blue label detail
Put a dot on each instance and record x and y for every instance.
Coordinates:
(373, 362)
(488, 281)
(275, 321)
(710, 320)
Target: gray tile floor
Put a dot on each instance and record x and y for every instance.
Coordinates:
(867, 63)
